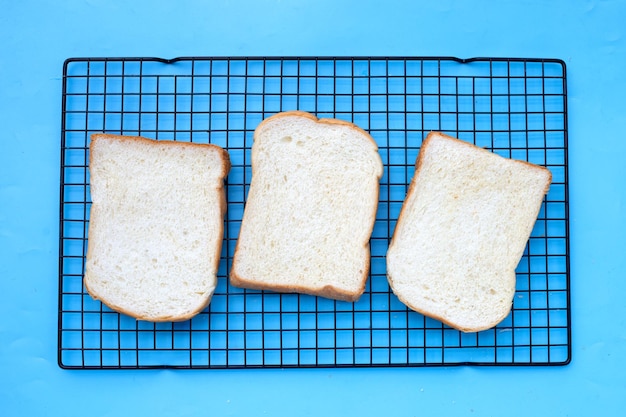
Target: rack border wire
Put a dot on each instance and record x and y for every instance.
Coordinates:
(516, 107)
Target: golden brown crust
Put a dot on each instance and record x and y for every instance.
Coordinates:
(96, 137)
(453, 325)
(300, 113)
(327, 291)
(409, 192)
(145, 318)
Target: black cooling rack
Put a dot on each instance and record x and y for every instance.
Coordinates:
(514, 107)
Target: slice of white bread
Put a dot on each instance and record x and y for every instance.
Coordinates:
(311, 208)
(156, 225)
(461, 233)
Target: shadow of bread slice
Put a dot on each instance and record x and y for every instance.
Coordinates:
(156, 225)
(310, 209)
(461, 233)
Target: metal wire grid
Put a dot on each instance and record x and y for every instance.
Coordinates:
(514, 107)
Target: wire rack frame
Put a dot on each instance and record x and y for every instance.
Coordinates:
(513, 107)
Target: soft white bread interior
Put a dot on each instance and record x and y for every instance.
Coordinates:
(310, 209)
(462, 231)
(155, 226)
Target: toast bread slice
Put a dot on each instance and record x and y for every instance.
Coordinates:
(155, 226)
(310, 209)
(461, 232)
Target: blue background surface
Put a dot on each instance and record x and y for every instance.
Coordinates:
(35, 39)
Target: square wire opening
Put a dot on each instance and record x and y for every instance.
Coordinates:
(514, 107)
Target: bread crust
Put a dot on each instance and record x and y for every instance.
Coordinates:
(95, 137)
(402, 215)
(226, 164)
(327, 291)
(474, 147)
(300, 113)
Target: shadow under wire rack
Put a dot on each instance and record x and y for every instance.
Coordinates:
(514, 107)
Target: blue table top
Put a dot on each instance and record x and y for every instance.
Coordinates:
(38, 36)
